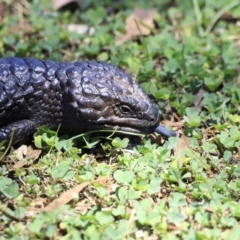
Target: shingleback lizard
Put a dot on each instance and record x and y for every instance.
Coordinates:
(80, 96)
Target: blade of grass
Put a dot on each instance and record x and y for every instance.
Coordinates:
(8, 146)
(107, 131)
(219, 14)
(198, 17)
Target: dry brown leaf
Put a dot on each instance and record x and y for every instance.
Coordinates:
(140, 22)
(83, 208)
(182, 145)
(33, 154)
(21, 152)
(69, 195)
(172, 124)
(198, 103)
(2, 12)
(19, 164)
(27, 152)
(35, 207)
(65, 197)
(24, 152)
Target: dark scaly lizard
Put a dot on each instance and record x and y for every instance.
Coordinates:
(80, 96)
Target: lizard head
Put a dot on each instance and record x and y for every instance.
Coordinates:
(106, 97)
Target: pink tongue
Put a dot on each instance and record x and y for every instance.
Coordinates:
(165, 132)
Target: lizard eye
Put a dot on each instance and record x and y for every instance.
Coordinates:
(125, 109)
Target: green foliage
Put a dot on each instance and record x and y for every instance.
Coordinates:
(8, 187)
(190, 65)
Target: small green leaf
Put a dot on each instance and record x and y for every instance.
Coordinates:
(38, 141)
(119, 210)
(134, 64)
(234, 118)
(235, 133)
(20, 212)
(92, 144)
(32, 178)
(192, 119)
(209, 147)
(4, 181)
(162, 93)
(154, 186)
(212, 83)
(103, 169)
(227, 141)
(60, 170)
(134, 194)
(50, 231)
(122, 195)
(120, 143)
(104, 218)
(11, 191)
(64, 144)
(123, 176)
(36, 225)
